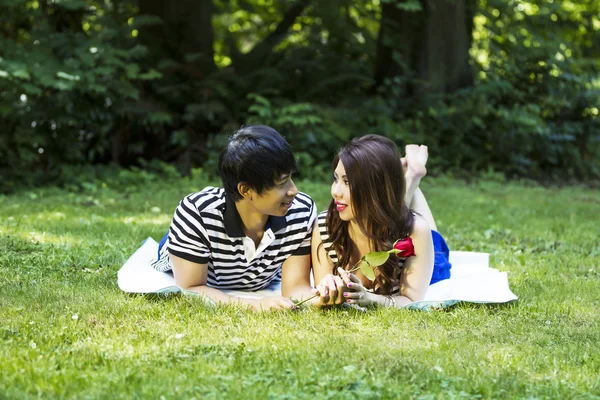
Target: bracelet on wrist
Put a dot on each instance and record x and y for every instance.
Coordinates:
(391, 301)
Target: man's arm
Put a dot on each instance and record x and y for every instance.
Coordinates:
(295, 278)
(192, 277)
(295, 271)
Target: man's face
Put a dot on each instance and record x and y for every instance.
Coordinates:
(278, 199)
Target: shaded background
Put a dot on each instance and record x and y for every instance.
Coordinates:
(492, 86)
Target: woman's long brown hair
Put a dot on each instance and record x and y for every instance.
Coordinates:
(377, 186)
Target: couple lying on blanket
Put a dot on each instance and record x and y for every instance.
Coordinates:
(259, 231)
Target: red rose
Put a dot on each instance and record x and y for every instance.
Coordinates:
(405, 247)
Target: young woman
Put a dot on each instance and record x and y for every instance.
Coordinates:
(375, 202)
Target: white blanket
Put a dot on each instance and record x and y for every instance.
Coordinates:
(472, 280)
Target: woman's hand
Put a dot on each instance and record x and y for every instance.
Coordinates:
(355, 292)
(330, 291)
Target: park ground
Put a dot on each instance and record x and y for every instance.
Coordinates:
(67, 331)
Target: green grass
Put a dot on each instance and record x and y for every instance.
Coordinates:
(67, 331)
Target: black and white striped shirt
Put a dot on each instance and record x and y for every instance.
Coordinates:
(207, 229)
(327, 243)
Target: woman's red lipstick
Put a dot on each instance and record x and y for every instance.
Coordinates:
(340, 206)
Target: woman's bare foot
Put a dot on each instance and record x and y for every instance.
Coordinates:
(415, 161)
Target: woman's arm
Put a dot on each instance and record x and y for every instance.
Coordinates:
(419, 268)
(329, 287)
(415, 278)
(321, 263)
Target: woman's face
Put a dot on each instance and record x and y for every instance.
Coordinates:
(340, 191)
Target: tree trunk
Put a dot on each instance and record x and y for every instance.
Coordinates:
(429, 47)
(186, 34)
(257, 56)
(186, 37)
(396, 46)
(63, 19)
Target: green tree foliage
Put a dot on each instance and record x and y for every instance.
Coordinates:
(69, 72)
(509, 85)
(534, 110)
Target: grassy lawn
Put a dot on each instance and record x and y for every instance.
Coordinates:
(67, 331)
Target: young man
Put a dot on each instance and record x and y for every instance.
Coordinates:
(249, 235)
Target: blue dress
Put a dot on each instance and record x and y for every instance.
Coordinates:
(441, 264)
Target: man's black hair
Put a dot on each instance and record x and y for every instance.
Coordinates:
(257, 155)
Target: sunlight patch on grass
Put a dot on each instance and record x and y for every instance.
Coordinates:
(47, 238)
(160, 220)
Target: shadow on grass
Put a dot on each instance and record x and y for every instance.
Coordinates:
(490, 307)
(156, 297)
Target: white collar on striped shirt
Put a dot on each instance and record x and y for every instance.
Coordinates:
(250, 249)
(233, 222)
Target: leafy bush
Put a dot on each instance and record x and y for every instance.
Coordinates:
(64, 87)
(534, 111)
(78, 87)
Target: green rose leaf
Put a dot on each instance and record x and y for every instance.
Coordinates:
(367, 271)
(377, 258)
